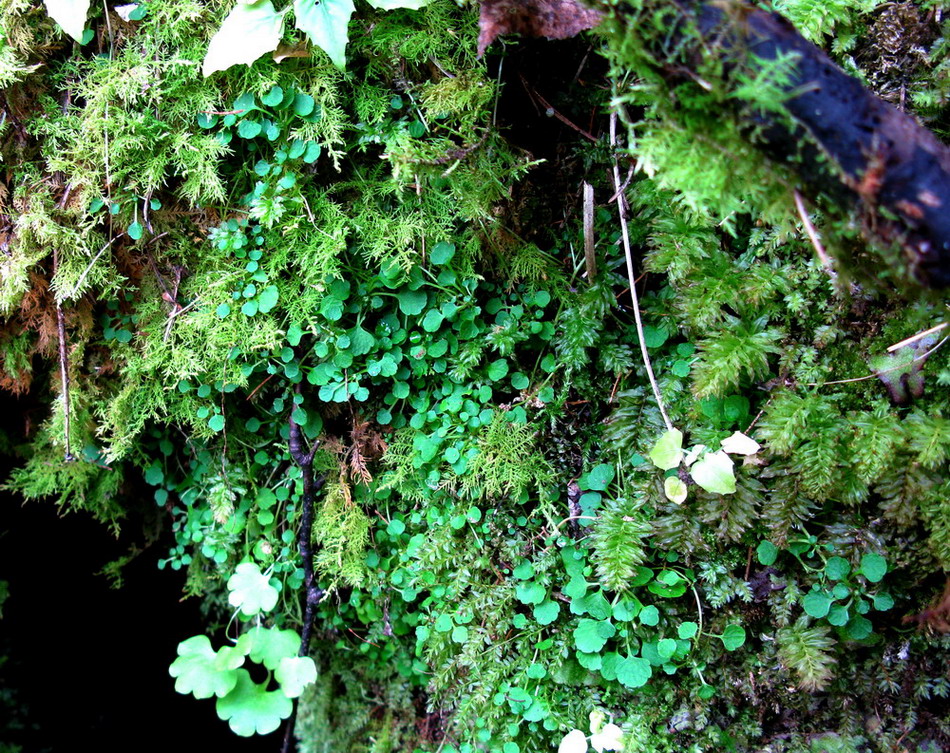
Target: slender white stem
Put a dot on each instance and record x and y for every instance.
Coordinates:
(621, 206)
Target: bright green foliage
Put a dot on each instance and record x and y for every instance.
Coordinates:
(250, 590)
(252, 709)
(383, 257)
(204, 672)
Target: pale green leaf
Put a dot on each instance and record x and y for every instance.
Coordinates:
(668, 451)
(740, 444)
(574, 741)
(250, 708)
(269, 646)
(202, 671)
(248, 32)
(714, 472)
(675, 490)
(250, 590)
(294, 673)
(326, 22)
(70, 14)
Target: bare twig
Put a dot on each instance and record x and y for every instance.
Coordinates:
(63, 367)
(876, 374)
(813, 236)
(589, 231)
(547, 106)
(89, 267)
(914, 338)
(621, 212)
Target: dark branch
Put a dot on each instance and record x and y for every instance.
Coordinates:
(312, 592)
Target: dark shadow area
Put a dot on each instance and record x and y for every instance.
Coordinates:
(87, 665)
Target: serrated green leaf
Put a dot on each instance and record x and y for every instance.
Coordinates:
(667, 453)
(248, 32)
(70, 14)
(295, 673)
(250, 708)
(326, 22)
(250, 590)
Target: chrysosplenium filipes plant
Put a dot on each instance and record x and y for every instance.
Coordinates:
(517, 551)
(247, 706)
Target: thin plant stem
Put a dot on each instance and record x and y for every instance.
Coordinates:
(621, 204)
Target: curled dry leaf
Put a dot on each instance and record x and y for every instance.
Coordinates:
(554, 19)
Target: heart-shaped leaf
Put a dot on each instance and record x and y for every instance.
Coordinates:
(326, 22)
(714, 472)
(249, 31)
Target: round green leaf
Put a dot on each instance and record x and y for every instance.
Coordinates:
(412, 302)
(883, 602)
(498, 369)
(591, 635)
(530, 592)
(442, 253)
(303, 106)
(687, 630)
(714, 473)
(733, 637)
(650, 615)
(666, 647)
(873, 567)
(250, 708)
(816, 604)
(546, 612)
(634, 671)
(837, 568)
(675, 490)
(766, 552)
(667, 453)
